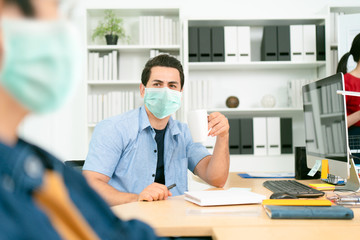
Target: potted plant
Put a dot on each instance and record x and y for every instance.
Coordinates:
(111, 27)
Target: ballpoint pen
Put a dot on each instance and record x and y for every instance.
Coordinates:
(171, 186)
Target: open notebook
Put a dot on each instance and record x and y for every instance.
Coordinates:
(231, 196)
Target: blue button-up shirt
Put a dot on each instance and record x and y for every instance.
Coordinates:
(22, 169)
(124, 148)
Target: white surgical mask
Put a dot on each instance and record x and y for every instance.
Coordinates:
(162, 102)
(41, 62)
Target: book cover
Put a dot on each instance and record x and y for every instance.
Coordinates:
(308, 212)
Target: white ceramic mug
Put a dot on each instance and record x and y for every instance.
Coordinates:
(198, 125)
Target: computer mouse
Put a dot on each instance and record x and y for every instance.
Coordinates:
(282, 195)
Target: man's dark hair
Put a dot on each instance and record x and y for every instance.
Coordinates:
(162, 60)
(24, 5)
(354, 51)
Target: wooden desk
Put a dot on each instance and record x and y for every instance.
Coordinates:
(177, 217)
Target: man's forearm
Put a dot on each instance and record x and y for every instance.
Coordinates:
(111, 195)
(218, 168)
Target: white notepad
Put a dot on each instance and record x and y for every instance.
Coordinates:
(231, 196)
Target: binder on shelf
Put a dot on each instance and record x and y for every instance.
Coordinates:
(234, 138)
(193, 44)
(286, 135)
(110, 67)
(283, 43)
(205, 44)
(243, 44)
(259, 134)
(273, 135)
(106, 68)
(269, 44)
(115, 65)
(246, 136)
(217, 44)
(101, 68)
(96, 66)
(309, 40)
(320, 42)
(296, 43)
(230, 34)
(91, 66)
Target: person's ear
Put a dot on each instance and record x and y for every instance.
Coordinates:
(142, 90)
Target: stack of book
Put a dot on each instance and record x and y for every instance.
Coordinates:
(305, 209)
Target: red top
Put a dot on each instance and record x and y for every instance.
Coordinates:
(352, 103)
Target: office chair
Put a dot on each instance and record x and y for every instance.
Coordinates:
(76, 164)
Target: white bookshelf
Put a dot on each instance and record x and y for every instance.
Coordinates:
(133, 48)
(254, 65)
(122, 91)
(250, 81)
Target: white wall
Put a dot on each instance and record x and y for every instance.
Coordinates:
(65, 131)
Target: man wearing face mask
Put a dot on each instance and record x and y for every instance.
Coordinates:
(40, 198)
(136, 155)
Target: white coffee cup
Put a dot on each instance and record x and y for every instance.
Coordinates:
(198, 125)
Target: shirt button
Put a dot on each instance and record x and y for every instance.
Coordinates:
(155, 151)
(33, 167)
(153, 175)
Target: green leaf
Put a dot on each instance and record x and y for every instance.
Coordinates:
(111, 24)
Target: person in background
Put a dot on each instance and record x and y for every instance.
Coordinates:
(352, 83)
(40, 198)
(136, 155)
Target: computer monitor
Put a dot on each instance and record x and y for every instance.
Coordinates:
(326, 135)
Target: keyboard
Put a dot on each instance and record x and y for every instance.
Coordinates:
(292, 187)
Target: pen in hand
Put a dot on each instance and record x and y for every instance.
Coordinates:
(171, 186)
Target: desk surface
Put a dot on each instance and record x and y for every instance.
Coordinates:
(177, 217)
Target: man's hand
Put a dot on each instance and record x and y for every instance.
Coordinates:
(218, 124)
(154, 192)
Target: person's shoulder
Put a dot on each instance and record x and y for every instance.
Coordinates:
(350, 77)
(126, 120)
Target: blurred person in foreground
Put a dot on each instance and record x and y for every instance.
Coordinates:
(40, 198)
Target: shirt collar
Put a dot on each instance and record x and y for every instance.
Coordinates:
(145, 123)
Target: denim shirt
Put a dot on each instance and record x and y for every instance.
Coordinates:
(124, 148)
(22, 169)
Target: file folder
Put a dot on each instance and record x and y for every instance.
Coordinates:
(205, 44)
(296, 43)
(243, 44)
(193, 44)
(273, 135)
(309, 40)
(259, 134)
(286, 135)
(234, 136)
(230, 33)
(269, 44)
(246, 136)
(320, 42)
(217, 44)
(283, 44)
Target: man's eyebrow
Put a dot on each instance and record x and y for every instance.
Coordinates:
(174, 82)
(160, 81)
(156, 80)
